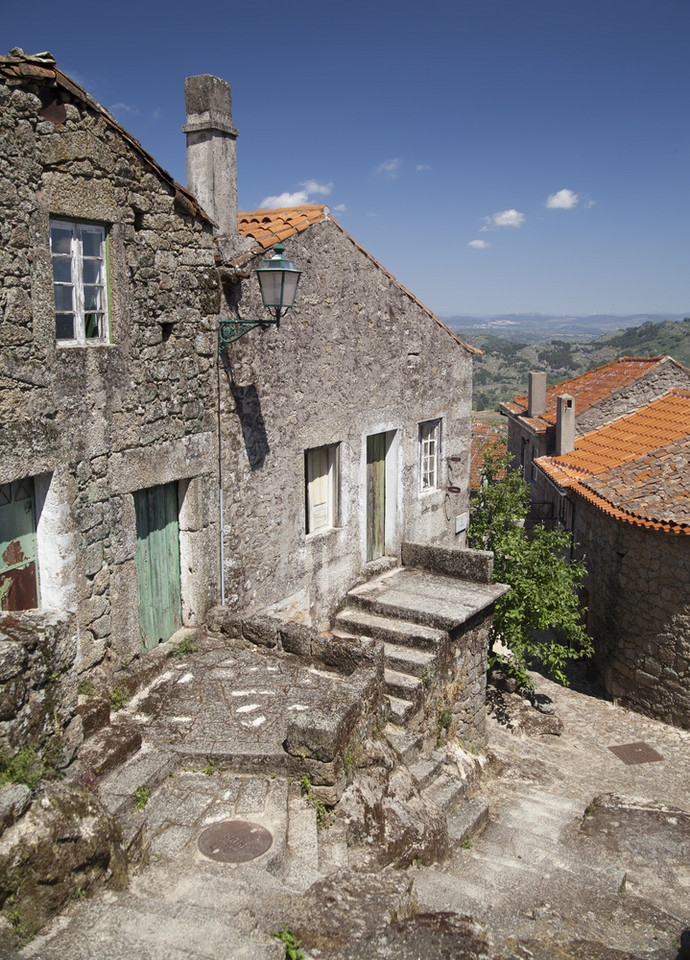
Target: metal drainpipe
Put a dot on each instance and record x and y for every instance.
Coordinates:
(220, 492)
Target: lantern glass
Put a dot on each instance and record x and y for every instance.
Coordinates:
(278, 280)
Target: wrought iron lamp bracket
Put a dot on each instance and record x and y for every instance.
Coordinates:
(231, 330)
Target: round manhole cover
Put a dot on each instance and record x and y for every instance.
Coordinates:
(234, 841)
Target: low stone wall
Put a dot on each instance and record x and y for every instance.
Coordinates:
(475, 565)
(639, 612)
(38, 683)
(454, 695)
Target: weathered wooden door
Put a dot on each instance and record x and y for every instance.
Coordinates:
(18, 564)
(376, 496)
(158, 564)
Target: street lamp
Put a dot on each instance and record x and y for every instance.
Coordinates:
(278, 281)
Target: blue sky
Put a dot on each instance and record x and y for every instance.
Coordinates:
(495, 155)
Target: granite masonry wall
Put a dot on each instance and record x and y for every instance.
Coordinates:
(355, 357)
(93, 424)
(639, 612)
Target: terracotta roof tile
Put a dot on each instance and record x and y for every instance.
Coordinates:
(485, 434)
(636, 468)
(269, 227)
(588, 388)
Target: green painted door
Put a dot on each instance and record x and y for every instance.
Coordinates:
(18, 563)
(376, 495)
(158, 564)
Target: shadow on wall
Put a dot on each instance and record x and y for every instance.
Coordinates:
(248, 409)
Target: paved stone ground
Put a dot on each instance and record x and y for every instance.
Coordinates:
(228, 701)
(537, 882)
(533, 876)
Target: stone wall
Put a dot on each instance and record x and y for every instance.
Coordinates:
(355, 357)
(38, 688)
(93, 424)
(639, 612)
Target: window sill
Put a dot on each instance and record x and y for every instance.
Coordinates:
(75, 345)
(321, 533)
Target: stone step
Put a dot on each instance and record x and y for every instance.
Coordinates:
(467, 820)
(109, 748)
(402, 685)
(302, 842)
(360, 622)
(401, 710)
(128, 926)
(333, 849)
(409, 745)
(426, 768)
(446, 790)
(149, 767)
(423, 597)
(418, 663)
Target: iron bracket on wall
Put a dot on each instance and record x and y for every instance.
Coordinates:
(231, 330)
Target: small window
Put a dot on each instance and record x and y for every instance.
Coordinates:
(429, 444)
(321, 472)
(78, 251)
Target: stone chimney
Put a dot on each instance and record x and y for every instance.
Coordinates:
(536, 395)
(212, 150)
(565, 424)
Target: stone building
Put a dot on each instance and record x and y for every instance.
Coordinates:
(344, 431)
(623, 491)
(108, 457)
(146, 474)
(596, 398)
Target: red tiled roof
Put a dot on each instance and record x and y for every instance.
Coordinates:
(486, 435)
(636, 468)
(587, 389)
(269, 227)
(41, 68)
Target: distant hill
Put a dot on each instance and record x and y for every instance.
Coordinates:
(502, 371)
(538, 327)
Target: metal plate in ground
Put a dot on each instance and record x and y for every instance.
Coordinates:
(234, 841)
(635, 753)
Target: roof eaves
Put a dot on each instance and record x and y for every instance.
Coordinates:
(42, 67)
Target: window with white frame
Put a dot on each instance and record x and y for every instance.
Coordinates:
(78, 251)
(429, 450)
(321, 474)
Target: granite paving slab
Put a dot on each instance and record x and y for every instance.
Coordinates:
(427, 598)
(233, 703)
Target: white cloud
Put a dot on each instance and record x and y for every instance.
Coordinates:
(313, 186)
(505, 218)
(341, 208)
(423, 166)
(124, 108)
(284, 200)
(299, 197)
(478, 244)
(563, 200)
(389, 168)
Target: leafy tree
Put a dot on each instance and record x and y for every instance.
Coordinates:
(544, 585)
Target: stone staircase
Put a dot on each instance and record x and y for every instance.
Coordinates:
(417, 615)
(410, 652)
(179, 904)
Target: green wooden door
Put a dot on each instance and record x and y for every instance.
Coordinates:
(158, 564)
(18, 564)
(376, 495)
